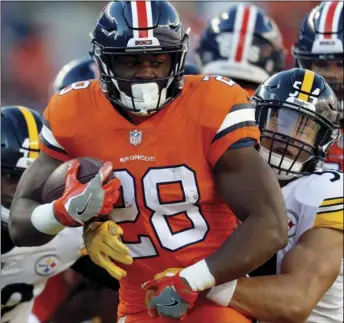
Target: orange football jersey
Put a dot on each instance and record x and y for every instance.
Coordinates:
(169, 210)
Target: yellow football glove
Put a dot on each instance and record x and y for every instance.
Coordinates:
(104, 247)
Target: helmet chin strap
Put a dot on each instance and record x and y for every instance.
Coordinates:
(275, 160)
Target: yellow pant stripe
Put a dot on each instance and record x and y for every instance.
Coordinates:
(33, 131)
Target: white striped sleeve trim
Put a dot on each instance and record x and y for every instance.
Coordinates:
(48, 139)
(241, 115)
(235, 117)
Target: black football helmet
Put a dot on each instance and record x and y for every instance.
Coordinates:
(138, 28)
(78, 70)
(20, 128)
(243, 43)
(319, 46)
(298, 116)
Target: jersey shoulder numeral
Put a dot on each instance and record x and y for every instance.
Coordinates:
(335, 174)
(75, 86)
(223, 79)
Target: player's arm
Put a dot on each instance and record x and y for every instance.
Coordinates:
(33, 223)
(27, 199)
(253, 194)
(250, 188)
(307, 272)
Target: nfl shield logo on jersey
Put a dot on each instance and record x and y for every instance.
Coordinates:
(135, 137)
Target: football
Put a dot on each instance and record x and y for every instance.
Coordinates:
(55, 185)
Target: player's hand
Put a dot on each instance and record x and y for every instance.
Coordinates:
(81, 202)
(104, 246)
(167, 294)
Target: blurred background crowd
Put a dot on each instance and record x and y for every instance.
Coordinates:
(38, 38)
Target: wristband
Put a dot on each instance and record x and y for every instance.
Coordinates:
(43, 219)
(222, 294)
(198, 276)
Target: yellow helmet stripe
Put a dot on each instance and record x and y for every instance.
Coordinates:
(307, 85)
(33, 131)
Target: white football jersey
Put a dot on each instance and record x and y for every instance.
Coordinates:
(25, 271)
(316, 201)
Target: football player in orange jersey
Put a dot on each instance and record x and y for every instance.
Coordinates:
(319, 47)
(184, 152)
(243, 43)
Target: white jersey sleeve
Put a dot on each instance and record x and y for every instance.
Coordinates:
(316, 201)
(25, 271)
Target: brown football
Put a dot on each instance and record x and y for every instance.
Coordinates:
(55, 185)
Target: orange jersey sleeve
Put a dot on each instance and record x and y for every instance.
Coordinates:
(228, 118)
(57, 130)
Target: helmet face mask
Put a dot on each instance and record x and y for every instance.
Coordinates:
(293, 141)
(166, 37)
(297, 129)
(142, 95)
(9, 183)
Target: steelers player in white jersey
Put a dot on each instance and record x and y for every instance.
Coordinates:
(298, 115)
(25, 271)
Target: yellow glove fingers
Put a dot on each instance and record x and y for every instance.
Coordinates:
(116, 244)
(104, 261)
(112, 253)
(104, 245)
(111, 268)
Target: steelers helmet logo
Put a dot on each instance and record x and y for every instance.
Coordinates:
(46, 265)
(293, 220)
